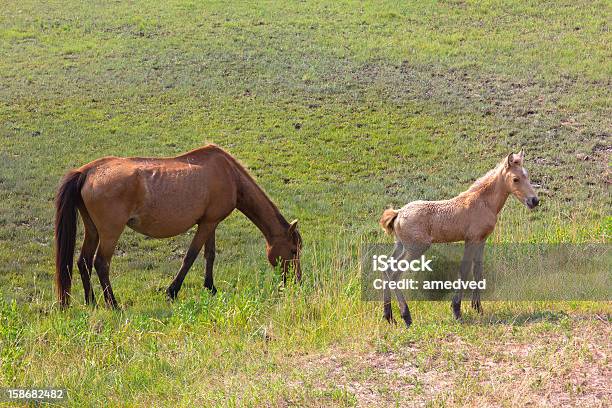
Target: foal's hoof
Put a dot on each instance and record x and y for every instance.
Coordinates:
(213, 290)
(477, 306)
(407, 320)
(457, 310)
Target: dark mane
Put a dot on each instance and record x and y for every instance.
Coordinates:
(485, 180)
(245, 173)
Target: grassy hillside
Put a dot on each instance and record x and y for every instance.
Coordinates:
(339, 109)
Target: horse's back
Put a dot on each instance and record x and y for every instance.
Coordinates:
(444, 221)
(429, 221)
(159, 197)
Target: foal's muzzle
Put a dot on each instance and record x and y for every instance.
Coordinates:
(532, 202)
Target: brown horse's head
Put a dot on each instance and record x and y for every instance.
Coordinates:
(286, 250)
(517, 180)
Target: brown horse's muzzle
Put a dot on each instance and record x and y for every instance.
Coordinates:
(298, 271)
(293, 265)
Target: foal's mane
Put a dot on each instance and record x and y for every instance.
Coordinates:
(486, 180)
(245, 173)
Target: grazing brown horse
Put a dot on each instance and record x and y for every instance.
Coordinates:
(160, 198)
(469, 217)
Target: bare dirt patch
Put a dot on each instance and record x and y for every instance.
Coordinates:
(560, 367)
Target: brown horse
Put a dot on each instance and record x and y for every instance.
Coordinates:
(160, 198)
(469, 217)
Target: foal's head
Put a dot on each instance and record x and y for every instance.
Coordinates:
(286, 250)
(517, 181)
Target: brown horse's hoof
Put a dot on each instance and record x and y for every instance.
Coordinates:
(171, 293)
(113, 305)
(213, 290)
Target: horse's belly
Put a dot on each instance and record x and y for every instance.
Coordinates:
(447, 229)
(167, 216)
(444, 236)
(159, 228)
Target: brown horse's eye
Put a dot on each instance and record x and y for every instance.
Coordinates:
(516, 180)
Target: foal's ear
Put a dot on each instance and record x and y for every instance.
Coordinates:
(292, 226)
(515, 159)
(509, 160)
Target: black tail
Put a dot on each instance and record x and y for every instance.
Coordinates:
(66, 201)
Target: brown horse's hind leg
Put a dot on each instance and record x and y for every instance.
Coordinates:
(88, 250)
(209, 255)
(201, 236)
(102, 264)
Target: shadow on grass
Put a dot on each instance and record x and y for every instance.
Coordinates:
(514, 319)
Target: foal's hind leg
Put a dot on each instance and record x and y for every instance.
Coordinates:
(88, 250)
(201, 236)
(469, 252)
(411, 251)
(388, 312)
(209, 255)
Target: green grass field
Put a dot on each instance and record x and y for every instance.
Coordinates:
(338, 109)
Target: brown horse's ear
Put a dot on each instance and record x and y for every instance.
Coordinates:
(292, 226)
(522, 154)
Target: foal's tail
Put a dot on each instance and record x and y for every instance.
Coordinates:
(67, 200)
(387, 220)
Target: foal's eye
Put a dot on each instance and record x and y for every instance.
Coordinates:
(516, 180)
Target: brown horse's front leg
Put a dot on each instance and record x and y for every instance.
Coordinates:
(201, 236)
(209, 255)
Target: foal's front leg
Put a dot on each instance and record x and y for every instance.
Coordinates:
(478, 277)
(466, 264)
(201, 236)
